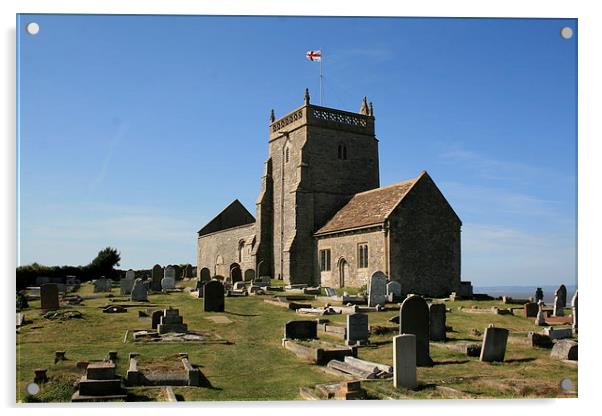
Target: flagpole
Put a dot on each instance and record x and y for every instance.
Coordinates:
(321, 76)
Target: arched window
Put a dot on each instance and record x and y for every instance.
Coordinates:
(286, 155)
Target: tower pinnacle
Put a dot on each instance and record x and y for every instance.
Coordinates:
(364, 109)
(306, 98)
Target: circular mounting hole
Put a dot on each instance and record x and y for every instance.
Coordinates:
(32, 389)
(566, 32)
(32, 28)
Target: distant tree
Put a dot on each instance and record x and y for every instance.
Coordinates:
(105, 262)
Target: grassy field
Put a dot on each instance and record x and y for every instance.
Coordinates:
(254, 366)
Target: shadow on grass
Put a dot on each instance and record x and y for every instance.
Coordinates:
(446, 362)
(520, 360)
(241, 314)
(133, 397)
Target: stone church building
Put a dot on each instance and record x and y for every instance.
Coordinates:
(322, 217)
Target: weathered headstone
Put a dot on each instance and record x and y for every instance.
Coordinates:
(49, 296)
(156, 318)
(125, 286)
(239, 285)
(330, 292)
(156, 276)
(204, 275)
(139, 291)
(404, 361)
(538, 294)
(213, 296)
(130, 274)
(377, 289)
(414, 319)
(541, 318)
(574, 305)
(531, 309)
(357, 329)
(102, 284)
(561, 293)
(558, 308)
(565, 349)
(437, 314)
(169, 278)
(301, 330)
(494, 344)
(393, 291)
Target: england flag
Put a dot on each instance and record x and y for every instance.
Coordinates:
(315, 56)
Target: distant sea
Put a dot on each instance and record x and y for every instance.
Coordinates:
(523, 292)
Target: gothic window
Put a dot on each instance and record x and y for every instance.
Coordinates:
(325, 260)
(362, 255)
(342, 152)
(286, 155)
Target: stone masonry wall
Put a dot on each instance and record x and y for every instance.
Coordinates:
(425, 242)
(346, 247)
(225, 244)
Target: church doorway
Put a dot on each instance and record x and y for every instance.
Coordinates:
(343, 272)
(235, 273)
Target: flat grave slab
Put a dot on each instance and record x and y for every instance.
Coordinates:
(219, 319)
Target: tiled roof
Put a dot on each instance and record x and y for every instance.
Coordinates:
(369, 207)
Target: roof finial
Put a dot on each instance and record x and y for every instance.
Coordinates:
(364, 109)
(306, 98)
(371, 109)
(272, 116)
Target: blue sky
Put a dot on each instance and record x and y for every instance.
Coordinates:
(134, 131)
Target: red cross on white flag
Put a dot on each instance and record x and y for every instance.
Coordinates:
(315, 56)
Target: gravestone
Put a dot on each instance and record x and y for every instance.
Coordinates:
(531, 309)
(139, 291)
(130, 274)
(49, 296)
(565, 349)
(561, 293)
(357, 329)
(574, 305)
(171, 321)
(125, 286)
(156, 318)
(558, 333)
(558, 308)
(393, 290)
(169, 279)
(465, 290)
(205, 275)
(377, 289)
(414, 319)
(102, 285)
(404, 361)
(156, 276)
(213, 296)
(538, 294)
(494, 344)
(301, 330)
(330, 292)
(239, 286)
(437, 314)
(541, 318)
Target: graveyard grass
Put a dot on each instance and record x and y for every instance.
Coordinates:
(253, 365)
